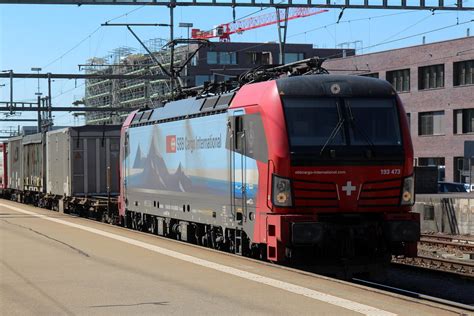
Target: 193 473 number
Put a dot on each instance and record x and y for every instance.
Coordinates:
(390, 171)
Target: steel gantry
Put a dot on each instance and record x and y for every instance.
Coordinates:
(282, 7)
(44, 105)
(349, 4)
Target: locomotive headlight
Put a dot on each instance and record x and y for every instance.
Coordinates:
(408, 192)
(281, 193)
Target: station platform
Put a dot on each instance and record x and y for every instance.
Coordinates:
(53, 263)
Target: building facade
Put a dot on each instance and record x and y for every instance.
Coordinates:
(436, 84)
(227, 59)
(218, 62)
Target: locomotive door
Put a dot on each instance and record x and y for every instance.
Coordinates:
(238, 169)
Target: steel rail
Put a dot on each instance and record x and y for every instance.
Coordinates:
(463, 247)
(451, 238)
(458, 267)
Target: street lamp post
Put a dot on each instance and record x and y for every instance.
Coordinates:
(10, 71)
(186, 25)
(37, 69)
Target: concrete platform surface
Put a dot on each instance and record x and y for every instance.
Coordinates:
(56, 264)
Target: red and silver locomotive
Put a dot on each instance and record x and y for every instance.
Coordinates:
(315, 169)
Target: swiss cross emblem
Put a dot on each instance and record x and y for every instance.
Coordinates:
(349, 188)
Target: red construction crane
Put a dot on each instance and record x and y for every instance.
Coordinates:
(223, 31)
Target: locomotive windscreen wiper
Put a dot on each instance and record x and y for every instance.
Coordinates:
(357, 128)
(334, 132)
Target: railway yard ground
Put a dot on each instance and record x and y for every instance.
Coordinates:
(52, 263)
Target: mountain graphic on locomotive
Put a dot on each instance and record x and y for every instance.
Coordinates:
(314, 169)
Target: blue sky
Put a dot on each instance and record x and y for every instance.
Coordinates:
(58, 38)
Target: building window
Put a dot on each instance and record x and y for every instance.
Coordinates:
(400, 79)
(463, 73)
(222, 58)
(459, 171)
(293, 57)
(211, 58)
(463, 121)
(434, 162)
(372, 75)
(431, 77)
(222, 77)
(200, 79)
(428, 212)
(431, 161)
(260, 58)
(409, 121)
(431, 123)
(194, 60)
(228, 58)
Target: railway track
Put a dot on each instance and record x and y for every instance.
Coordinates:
(458, 243)
(452, 254)
(463, 268)
(447, 245)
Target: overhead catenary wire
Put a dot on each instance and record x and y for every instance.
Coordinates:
(125, 15)
(78, 44)
(421, 33)
(399, 39)
(83, 40)
(409, 27)
(341, 22)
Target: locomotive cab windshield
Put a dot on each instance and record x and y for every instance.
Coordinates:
(349, 129)
(350, 161)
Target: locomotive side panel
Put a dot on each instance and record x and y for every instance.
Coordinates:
(182, 170)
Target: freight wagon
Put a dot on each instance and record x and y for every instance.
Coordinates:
(82, 166)
(72, 169)
(15, 167)
(3, 167)
(33, 156)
